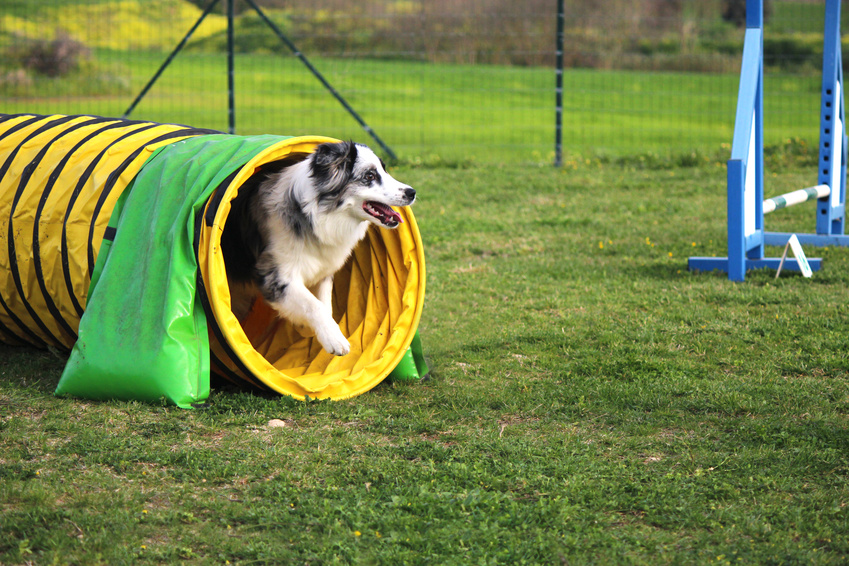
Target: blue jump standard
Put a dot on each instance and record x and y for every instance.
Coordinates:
(746, 234)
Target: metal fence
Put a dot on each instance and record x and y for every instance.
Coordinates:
(441, 80)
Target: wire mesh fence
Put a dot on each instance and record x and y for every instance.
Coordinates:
(435, 80)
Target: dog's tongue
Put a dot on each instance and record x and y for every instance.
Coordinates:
(383, 213)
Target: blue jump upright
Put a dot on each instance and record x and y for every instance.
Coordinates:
(746, 234)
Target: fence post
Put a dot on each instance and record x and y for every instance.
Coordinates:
(170, 58)
(282, 37)
(558, 90)
(231, 68)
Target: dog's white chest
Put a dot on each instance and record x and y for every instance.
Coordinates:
(312, 262)
(316, 268)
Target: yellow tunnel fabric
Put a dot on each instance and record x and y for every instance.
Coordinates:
(59, 179)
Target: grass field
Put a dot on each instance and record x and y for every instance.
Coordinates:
(424, 111)
(590, 401)
(451, 112)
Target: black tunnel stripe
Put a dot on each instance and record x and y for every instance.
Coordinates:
(7, 117)
(5, 329)
(215, 199)
(54, 178)
(48, 189)
(22, 185)
(215, 202)
(218, 366)
(32, 118)
(212, 323)
(36, 117)
(115, 174)
(73, 201)
(222, 370)
(28, 335)
(35, 339)
(20, 126)
(234, 377)
(9, 337)
(10, 131)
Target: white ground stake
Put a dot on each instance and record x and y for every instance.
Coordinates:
(799, 253)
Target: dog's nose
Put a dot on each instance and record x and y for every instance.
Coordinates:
(410, 193)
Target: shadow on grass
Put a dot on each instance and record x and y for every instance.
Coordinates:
(662, 270)
(26, 366)
(678, 271)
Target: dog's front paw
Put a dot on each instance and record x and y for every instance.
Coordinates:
(333, 340)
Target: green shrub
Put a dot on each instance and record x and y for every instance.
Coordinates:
(52, 58)
(665, 46)
(33, 68)
(792, 51)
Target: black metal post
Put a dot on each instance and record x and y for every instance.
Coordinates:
(170, 58)
(321, 78)
(231, 98)
(558, 90)
(231, 68)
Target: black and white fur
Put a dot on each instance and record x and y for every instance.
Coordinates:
(294, 224)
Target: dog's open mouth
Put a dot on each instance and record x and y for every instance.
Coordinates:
(384, 214)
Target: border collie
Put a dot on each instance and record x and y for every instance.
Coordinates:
(293, 225)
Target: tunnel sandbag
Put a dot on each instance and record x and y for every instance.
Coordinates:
(150, 312)
(60, 177)
(144, 334)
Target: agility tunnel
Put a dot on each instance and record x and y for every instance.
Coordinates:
(110, 250)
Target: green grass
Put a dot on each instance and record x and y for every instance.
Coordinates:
(591, 401)
(806, 17)
(454, 112)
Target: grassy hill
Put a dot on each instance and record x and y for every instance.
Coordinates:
(116, 24)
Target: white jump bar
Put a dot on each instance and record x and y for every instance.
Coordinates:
(796, 197)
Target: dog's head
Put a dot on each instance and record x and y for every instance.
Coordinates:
(351, 177)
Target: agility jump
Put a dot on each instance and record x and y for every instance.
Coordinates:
(746, 204)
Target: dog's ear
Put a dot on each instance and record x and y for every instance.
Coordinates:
(335, 158)
(332, 167)
(351, 156)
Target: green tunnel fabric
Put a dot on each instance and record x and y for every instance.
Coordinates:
(157, 343)
(413, 365)
(143, 333)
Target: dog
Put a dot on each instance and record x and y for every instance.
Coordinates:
(294, 224)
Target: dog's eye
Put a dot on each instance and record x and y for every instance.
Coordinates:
(370, 176)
